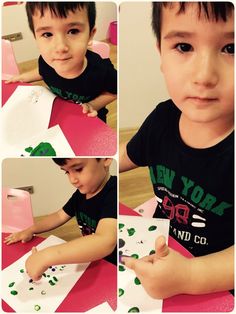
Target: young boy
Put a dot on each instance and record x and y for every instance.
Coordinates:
(63, 31)
(94, 204)
(187, 143)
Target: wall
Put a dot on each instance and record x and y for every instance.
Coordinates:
(26, 49)
(141, 83)
(51, 186)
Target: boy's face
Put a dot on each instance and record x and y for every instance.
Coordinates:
(197, 60)
(63, 42)
(88, 175)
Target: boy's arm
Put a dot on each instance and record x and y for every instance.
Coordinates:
(98, 103)
(84, 249)
(125, 163)
(27, 77)
(167, 273)
(50, 222)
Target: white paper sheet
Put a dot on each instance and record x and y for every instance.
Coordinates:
(26, 113)
(138, 239)
(43, 294)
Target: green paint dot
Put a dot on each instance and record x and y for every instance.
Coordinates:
(131, 231)
(121, 268)
(29, 149)
(11, 284)
(37, 307)
(152, 252)
(135, 256)
(137, 281)
(55, 278)
(121, 292)
(152, 228)
(121, 226)
(133, 310)
(48, 276)
(44, 275)
(31, 288)
(14, 292)
(22, 270)
(51, 283)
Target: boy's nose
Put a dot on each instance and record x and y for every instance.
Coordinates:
(73, 179)
(206, 71)
(61, 44)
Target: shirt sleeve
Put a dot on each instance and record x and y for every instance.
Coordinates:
(70, 207)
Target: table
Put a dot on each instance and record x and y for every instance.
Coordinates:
(98, 284)
(212, 302)
(87, 136)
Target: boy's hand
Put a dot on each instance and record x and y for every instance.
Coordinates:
(35, 264)
(17, 78)
(88, 109)
(163, 274)
(23, 236)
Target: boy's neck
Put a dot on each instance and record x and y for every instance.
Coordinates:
(100, 187)
(204, 135)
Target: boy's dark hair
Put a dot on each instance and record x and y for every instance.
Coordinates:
(63, 161)
(212, 11)
(60, 9)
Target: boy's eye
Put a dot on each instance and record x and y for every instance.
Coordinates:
(183, 47)
(229, 49)
(47, 34)
(73, 31)
(78, 169)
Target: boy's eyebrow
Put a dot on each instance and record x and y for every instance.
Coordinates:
(46, 28)
(184, 34)
(78, 164)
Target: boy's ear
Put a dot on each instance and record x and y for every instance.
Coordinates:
(159, 51)
(107, 162)
(92, 33)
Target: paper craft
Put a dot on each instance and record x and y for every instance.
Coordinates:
(26, 114)
(137, 239)
(101, 308)
(45, 295)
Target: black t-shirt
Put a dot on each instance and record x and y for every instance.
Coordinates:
(194, 187)
(99, 76)
(89, 212)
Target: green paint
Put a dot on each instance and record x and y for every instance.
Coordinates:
(43, 149)
(121, 226)
(133, 310)
(152, 228)
(44, 275)
(48, 276)
(22, 270)
(31, 288)
(121, 292)
(11, 284)
(51, 283)
(121, 268)
(55, 278)
(135, 256)
(14, 292)
(37, 307)
(131, 231)
(29, 149)
(137, 281)
(152, 252)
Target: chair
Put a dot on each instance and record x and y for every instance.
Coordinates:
(101, 48)
(9, 65)
(16, 210)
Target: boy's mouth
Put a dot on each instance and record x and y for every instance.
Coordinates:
(202, 99)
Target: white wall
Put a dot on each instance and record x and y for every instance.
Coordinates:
(14, 20)
(51, 186)
(141, 84)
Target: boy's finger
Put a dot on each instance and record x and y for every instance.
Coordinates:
(161, 247)
(139, 266)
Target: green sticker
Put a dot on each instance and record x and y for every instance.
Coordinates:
(11, 284)
(14, 292)
(121, 268)
(131, 231)
(152, 228)
(121, 292)
(37, 308)
(135, 256)
(121, 226)
(133, 310)
(137, 281)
